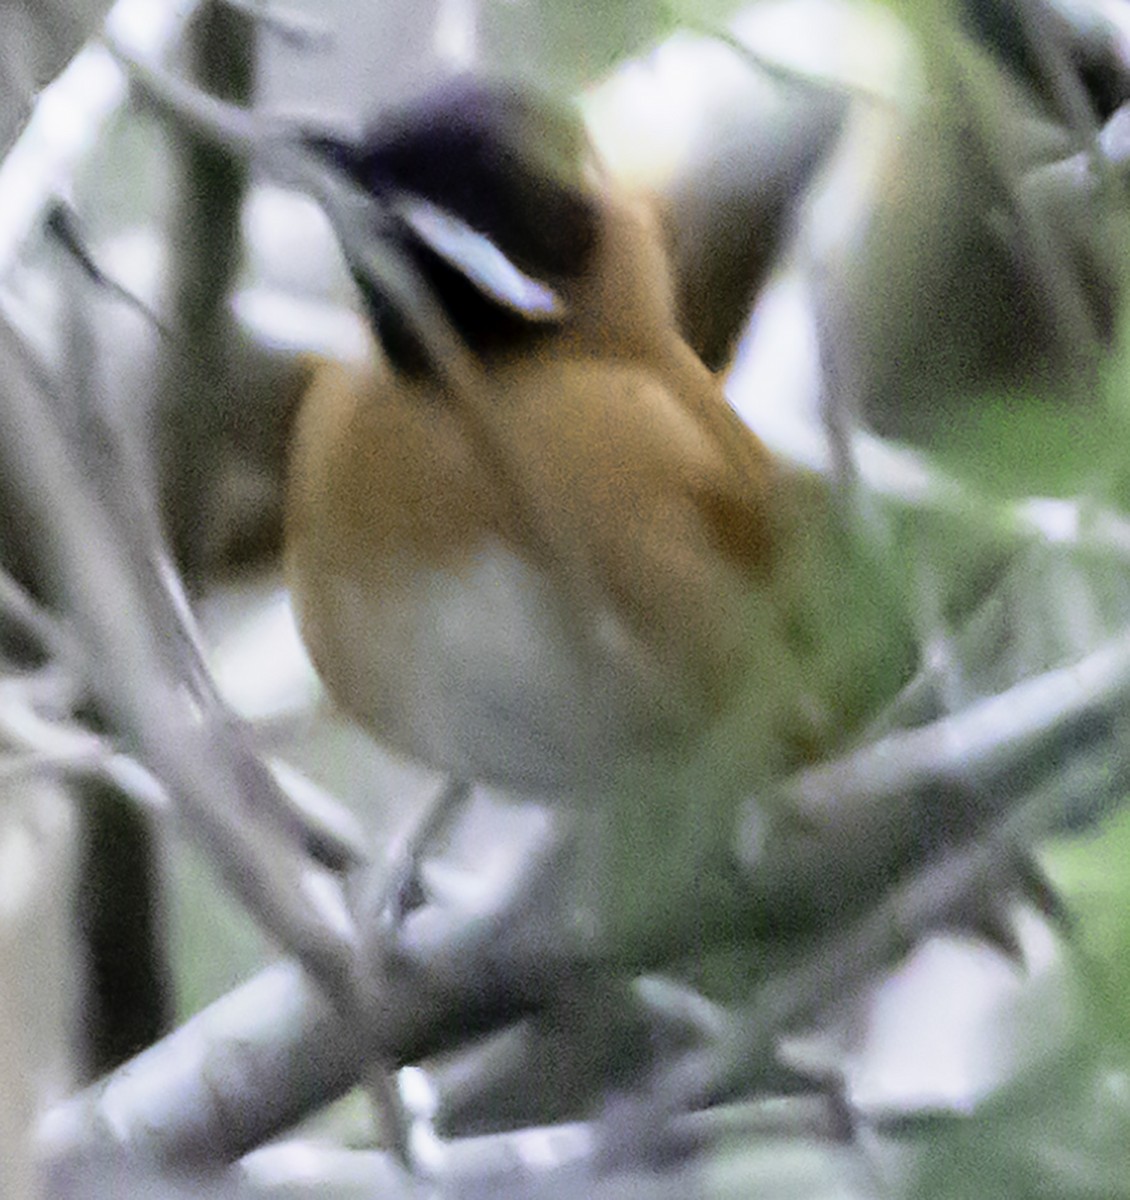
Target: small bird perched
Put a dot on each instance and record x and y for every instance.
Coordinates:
(558, 556)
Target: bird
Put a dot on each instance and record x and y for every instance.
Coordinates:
(529, 541)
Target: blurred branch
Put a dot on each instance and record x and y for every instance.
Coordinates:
(18, 604)
(1042, 251)
(135, 676)
(1045, 34)
(277, 147)
(977, 880)
(62, 222)
(330, 830)
(65, 117)
(53, 745)
(43, 746)
(113, 469)
(787, 74)
(859, 817)
(283, 1050)
(195, 388)
(560, 1160)
(40, 36)
(290, 25)
(979, 747)
(954, 819)
(111, 458)
(910, 480)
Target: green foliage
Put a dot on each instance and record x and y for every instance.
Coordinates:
(568, 45)
(1090, 873)
(1061, 1133)
(1030, 444)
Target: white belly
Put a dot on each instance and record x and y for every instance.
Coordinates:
(478, 672)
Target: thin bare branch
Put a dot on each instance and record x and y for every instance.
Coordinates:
(136, 677)
(290, 25)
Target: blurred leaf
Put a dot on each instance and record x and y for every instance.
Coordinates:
(1062, 1133)
(1012, 444)
(1061, 1130)
(702, 12)
(566, 43)
(791, 1169)
(38, 40)
(1116, 380)
(1090, 873)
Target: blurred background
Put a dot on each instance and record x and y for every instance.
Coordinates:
(899, 232)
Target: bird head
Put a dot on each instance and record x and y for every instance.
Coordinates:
(482, 189)
(508, 162)
(492, 194)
